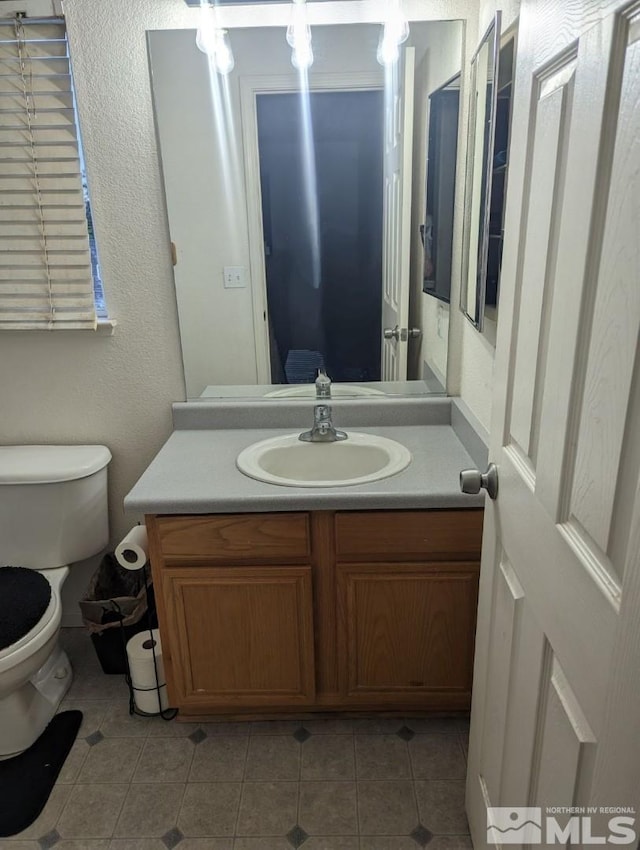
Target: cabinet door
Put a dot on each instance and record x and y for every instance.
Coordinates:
(407, 633)
(241, 636)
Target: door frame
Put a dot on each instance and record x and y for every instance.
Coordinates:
(250, 88)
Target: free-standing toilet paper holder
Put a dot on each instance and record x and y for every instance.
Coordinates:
(167, 713)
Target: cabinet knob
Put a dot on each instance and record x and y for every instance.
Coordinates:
(472, 481)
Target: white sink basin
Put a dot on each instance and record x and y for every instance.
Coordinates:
(337, 391)
(291, 463)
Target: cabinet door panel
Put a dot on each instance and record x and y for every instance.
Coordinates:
(407, 629)
(244, 634)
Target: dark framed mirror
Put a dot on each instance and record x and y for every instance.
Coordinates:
(437, 230)
(479, 174)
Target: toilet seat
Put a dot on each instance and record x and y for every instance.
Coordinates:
(24, 597)
(42, 623)
(37, 636)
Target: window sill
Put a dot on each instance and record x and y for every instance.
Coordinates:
(105, 326)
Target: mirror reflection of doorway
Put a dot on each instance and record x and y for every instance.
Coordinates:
(323, 267)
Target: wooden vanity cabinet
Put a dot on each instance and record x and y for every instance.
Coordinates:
(264, 613)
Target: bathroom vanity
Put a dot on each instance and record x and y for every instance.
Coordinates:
(285, 599)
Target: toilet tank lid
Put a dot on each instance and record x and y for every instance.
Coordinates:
(49, 464)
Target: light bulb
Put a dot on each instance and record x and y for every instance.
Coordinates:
(214, 41)
(223, 55)
(395, 31)
(206, 34)
(396, 25)
(388, 50)
(299, 36)
(302, 56)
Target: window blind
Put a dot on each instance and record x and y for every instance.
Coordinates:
(45, 261)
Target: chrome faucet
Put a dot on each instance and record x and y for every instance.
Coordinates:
(323, 384)
(323, 430)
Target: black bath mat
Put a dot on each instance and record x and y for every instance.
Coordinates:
(26, 780)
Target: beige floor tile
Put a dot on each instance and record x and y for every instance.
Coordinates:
(159, 728)
(118, 723)
(93, 713)
(441, 806)
(219, 758)
(111, 760)
(149, 810)
(329, 726)
(47, 819)
(450, 842)
(83, 844)
(268, 808)
(333, 842)
(439, 723)
(97, 686)
(377, 725)
(272, 757)
(209, 808)
(382, 757)
(328, 757)
(207, 844)
(386, 808)
(91, 811)
(328, 808)
(261, 844)
(388, 842)
(275, 727)
(9, 844)
(73, 763)
(242, 727)
(437, 757)
(164, 760)
(137, 844)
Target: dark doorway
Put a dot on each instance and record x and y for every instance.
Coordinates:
(325, 313)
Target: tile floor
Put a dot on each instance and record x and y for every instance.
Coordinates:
(134, 783)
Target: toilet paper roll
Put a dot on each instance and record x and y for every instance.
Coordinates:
(132, 552)
(140, 651)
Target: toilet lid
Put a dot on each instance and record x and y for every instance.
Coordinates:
(24, 597)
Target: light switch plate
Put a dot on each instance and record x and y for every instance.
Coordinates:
(235, 277)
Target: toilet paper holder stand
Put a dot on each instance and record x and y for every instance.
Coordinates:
(167, 713)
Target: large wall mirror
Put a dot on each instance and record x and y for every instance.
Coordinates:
(295, 201)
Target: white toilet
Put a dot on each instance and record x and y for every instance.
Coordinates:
(53, 511)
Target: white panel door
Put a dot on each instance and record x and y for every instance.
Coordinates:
(396, 227)
(556, 704)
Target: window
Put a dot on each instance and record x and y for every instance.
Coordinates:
(49, 272)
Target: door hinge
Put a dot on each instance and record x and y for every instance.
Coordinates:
(174, 254)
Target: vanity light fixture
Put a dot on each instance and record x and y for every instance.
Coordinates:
(213, 40)
(395, 31)
(299, 36)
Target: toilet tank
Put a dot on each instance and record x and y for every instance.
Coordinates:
(53, 504)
